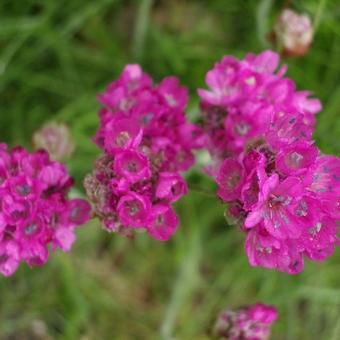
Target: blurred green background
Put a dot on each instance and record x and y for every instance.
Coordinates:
(54, 57)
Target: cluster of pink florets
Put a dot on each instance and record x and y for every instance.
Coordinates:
(34, 209)
(146, 143)
(247, 323)
(279, 188)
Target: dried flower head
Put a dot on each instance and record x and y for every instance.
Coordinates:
(294, 32)
(56, 139)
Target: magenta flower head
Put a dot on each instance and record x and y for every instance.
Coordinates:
(146, 143)
(277, 186)
(246, 323)
(35, 211)
(242, 97)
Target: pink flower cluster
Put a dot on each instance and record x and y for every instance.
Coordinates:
(242, 98)
(279, 188)
(146, 143)
(34, 209)
(247, 323)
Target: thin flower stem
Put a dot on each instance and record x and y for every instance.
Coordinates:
(141, 27)
(262, 14)
(318, 14)
(188, 274)
(336, 331)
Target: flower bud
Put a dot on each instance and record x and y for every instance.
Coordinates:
(56, 139)
(294, 32)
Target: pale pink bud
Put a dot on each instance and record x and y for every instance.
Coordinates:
(56, 139)
(294, 32)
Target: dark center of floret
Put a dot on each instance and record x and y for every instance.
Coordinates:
(132, 207)
(132, 166)
(276, 202)
(301, 209)
(160, 220)
(214, 117)
(242, 128)
(30, 229)
(122, 138)
(316, 229)
(146, 118)
(233, 179)
(23, 190)
(294, 160)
